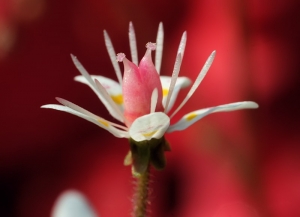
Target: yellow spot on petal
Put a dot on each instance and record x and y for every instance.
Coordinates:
(165, 92)
(105, 123)
(118, 99)
(149, 134)
(191, 116)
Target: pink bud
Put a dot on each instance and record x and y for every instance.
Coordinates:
(138, 85)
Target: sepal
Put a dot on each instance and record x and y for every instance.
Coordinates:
(158, 159)
(144, 153)
(128, 159)
(140, 152)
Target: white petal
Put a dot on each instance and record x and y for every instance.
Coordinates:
(154, 97)
(72, 204)
(80, 112)
(159, 47)
(87, 76)
(173, 79)
(112, 56)
(149, 126)
(200, 77)
(112, 87)
(132, 43)
(181, 82)
(190, 118)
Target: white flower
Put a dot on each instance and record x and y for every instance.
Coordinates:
(72, 203)
(145, 117)
(154, 124)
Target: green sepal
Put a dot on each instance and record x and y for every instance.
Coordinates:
(143, 153)
(166, 145)
(158, 159)
(140, 152)
(128, 159)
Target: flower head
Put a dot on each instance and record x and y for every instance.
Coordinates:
(143, 99)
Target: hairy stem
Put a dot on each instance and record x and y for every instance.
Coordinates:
(140, 200)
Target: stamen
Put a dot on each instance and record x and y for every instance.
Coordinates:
(154, 97)
(182, 44)
(200, 77)
(159, 47)
(120, 57)
(132, 43)
(118, 126)
(173, 79)
(112, 54)
(101, 94)
(151, 46)
(108, 99)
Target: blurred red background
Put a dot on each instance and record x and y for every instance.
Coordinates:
(238, 164)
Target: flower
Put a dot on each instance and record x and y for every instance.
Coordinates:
(72, 203)
(143, 99)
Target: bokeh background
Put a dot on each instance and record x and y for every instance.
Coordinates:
(239, 164)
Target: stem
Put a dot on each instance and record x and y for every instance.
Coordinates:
(141, 194)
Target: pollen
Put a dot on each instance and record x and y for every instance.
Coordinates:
(103, 122)
(151, 46)
(149, 134)
(118, 99)
(190, 116)
(165, 92)
(120, 57)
